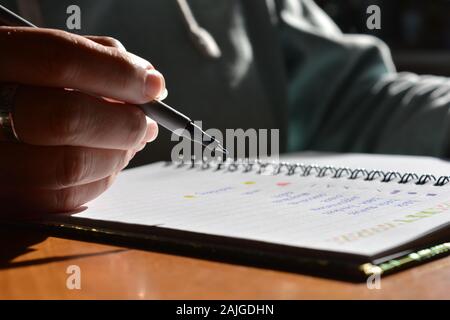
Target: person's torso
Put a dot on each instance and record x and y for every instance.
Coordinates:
(223, 93)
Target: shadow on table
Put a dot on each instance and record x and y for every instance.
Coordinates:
(16, 242)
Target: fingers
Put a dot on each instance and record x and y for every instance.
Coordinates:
(53, 58)
(58, 167)
(25, 201)
(52, 117)
(74, 144)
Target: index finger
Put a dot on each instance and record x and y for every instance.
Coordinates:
(54, 58)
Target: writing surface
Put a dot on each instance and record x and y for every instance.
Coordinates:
(352, 216)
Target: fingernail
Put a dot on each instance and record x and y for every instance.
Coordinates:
(163, 95)
(152, 131)
(154, 84)
(140, 147)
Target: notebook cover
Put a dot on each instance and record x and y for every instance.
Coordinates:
(329, 264)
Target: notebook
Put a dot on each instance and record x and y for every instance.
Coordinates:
(319, 213)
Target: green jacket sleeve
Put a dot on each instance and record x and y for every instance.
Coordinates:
(345, 94)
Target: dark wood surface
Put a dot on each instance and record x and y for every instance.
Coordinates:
(33, 265)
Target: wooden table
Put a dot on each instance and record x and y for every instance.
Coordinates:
(33, 265)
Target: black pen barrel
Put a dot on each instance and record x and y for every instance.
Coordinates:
(165, 115)
(9, 18)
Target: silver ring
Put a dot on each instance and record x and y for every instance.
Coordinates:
(7, 95)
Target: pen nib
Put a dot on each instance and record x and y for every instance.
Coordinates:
(221, 149)
(213, 144)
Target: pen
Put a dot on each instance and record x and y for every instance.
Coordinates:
(160, 112)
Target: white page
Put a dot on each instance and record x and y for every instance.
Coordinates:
(353, 216)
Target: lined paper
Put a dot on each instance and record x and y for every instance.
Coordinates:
(352, 216)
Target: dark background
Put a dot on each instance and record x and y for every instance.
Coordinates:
(417, 31)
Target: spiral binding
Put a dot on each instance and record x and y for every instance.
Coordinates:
(306, 170)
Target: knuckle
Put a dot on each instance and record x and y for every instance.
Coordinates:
(113, 42)
(66, 121)
(124, 68)
(75, 167)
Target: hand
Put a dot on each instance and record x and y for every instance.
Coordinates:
(74, 117)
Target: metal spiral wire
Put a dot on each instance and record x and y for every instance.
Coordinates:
(307, 170)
